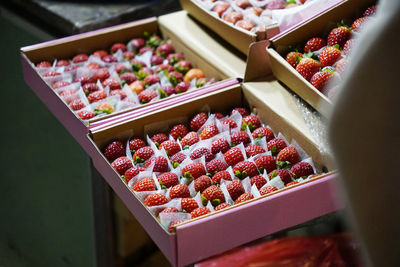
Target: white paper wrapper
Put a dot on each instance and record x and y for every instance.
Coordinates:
(167, 218)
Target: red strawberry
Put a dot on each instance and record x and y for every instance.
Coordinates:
(268, 189)
(160, 164)
(347, 46)
(177, 159)
(168, 179)
(172, 226)
(122, 95)
(216, 179)
(258, 180)
(127, 78)
(76, 104)
(265, 162)
(114, 150)
(122, 164)
(233, 156)
(213, 194)
(339, 36)
(242, 111)
(189, 204)
(202, 151)
(118, 46)
(288, 154)
(240, 137)
(291, 183)
(307, 67)
(128, 55)
(147, 95)
(329, 56)
(179, 191)
(100, 53)
(90, 88)
(222, 206)
(84, 79)
(80, 58)
(321, 79)
(231, 123)
(43, 64)
(146, 184)
(155, 200)
(193, 170)
(171, 147)
(293, 58)
(68, 93)
(182, 87)
(244, 169)
(91, 65)
(283, 174)
(197, 121)
(165, 49)
(135, 144)
(175, 77)
(166, 90)
(142, 154)
(357, 24)
(301, 169)
(341, 66)
(168, 210)
(101, 74)
(314, 44)
(59, 84)
(151, 79)
(252, 150)
(263, 131)
(159, 138)
(86, 115)
(132, 172)
(253, 122)
(97, 96)
(109, 59)
(112, 83)
(62, 63)
(276, 145)
(235, 189)
(199, 212)
(209, 131)
(51, 74)
(244, 197)
(174, 58)
(215, 166)
(179, 131)
(202, 183)
(370, 11)
(137, 43)
(220, 145)
(190, 139)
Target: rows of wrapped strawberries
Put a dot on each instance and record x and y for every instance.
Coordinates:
(323, 60)
(212, 163)
(143, 70)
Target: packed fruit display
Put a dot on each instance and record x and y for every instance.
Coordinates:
(214, 162)
(322, 60)
(144, 70)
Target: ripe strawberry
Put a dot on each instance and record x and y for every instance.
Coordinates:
(90, 88)
(244, 169)
(202, 183)
(160, 164)
(370, 11)
(62, 63)
(242, 111)
(225, 175)
(258, 180)
(252, 150)
(155, 200)
(263, 131)
(128, 55)
(80, 58)
(135, 144)
(244, 197)
(307, 67)
(202, 151)
(165, 49)
(209, 131)
(114, 150)
(86, 115)
(253, 122)
(83, 79)
(339, 36)
(147, 95)
(231, 123)
(76, 104)
(268, 189)
(100, 53)
(283, 174)
(341, 66)
(189, 204)
(301, 169)
(179, 191)
(314, 44)
(122, 164)
(329, 56)
(122, 95)
(179, 131)
(291, 183)
(132, 172)
(167, 210)
(171, 147)
(166, 90)
(348, 45)
(265, 162)
(91, 65)
(172, 226)
(146, 184)
(215, 166)
(177, 159)
(183, 66)
(59, 84)
(358, 23)
(97, 96)
(235, 189)
(276, 145)
(68, 93)
(199, 212)
(213, 194)
(240, 137)
(109, 59)
(43, 64)
(151, 79)
(193, 170)
(101, 75)
(159, 138)
(142, 154)
(233, 156)
(288, 154)
(293, 58)
(112, 83)
(197, 121)
(321, 79)
(222, 206)
(168, 179)
(219, 145)
(233, 17)
(127, 77)
(118, 46)
(190, 139)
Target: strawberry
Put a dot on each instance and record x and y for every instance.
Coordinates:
(68, 93)
(132, 172)
(202, 151)
(293, 58)
(291, 183)
(242, 111)
(165, 49)
(137, 64)
(329, 56)
(189, 204)
(147, 95)
(268, 189)
(321, 78)
(179, 191)
(193, 170)
(288, 154)
(146, 184)
(244, 169)
(283, 174)
(137, 43)
(183, 66)
(142, 154)
(209, 131)
(347, 46)
(243, 4)
(151, 79)
(59, 84)
(76, 104)
(358, 23)
(122, 164)
(101, 74)
(370, 11)
(219, 145)
(307, 67)
(222, 206)
(83, 79)
(220, 8)
(253, 150)
(172, 226)
(97, 96)
(258, 180)
(202, 183)
(100, 53)
(179, 131)
(156, 60)
(122, 95)
(168, 179)
(197, 121)
(167, 210)
(171, 147)
(135, 144)
(341, 66)
(86, 115)
(80, 58)
(166, 90)
(213, 194)
(112, 83)
(263, 131)
(91, 65)
(190, 139)
(194, 73)
(233, 17)
(90, 88)
(240, 137)
(104, 108)
(177, 159)
(314, 44)
(233, 156)
(231, 123)
(155, 200)
(174, 58)
(215, 166)
(265, 162)
(114, 150)
(128, 55)
(160, 164)
(225, 175)
(175, 77)
(251, 121)
(109, 59)
(244, 197)
(51, 74)
(339, 36)
(235, 189)
(301, 169)
(159, 138)
(246, 24)
(199, 212)
(43, 64)
(127, 78)
(62, 63)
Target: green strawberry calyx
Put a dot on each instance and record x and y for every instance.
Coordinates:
(282, 164)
